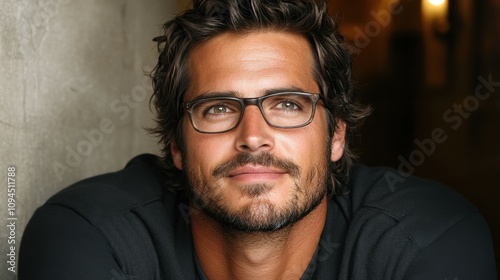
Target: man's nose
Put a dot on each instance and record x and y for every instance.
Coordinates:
(253, 132)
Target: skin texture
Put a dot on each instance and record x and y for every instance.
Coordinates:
(261, 195)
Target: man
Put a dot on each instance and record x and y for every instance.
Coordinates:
(255, 110)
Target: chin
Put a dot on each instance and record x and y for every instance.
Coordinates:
(262, 215)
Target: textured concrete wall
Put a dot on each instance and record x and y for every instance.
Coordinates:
(73, 97)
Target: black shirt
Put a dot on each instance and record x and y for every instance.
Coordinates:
(127, 225)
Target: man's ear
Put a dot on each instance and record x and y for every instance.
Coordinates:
(338, 141)
(176, 153)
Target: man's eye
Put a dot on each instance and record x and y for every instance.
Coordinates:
(288, 106)
(219, 110)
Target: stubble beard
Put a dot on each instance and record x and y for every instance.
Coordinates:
(260, 215)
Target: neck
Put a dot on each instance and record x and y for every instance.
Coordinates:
(231, 254)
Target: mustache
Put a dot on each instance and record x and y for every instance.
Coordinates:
(264, 159)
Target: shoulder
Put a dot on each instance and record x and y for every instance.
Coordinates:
(99, 226)
(423, 208)
(413, 227)
(105, 196)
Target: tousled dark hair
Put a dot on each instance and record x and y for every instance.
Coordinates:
(209, 18)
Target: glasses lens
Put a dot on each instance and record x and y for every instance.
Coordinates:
(215, 115)
(288, 110)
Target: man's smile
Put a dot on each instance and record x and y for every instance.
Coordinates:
(255, 173)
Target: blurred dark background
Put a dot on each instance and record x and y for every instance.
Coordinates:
(424, 66)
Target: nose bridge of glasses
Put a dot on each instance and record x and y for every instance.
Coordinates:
(252, 101)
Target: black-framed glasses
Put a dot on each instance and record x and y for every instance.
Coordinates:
(281, 110)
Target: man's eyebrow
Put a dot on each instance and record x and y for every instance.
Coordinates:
(237, 94)
(284, 89)
(215, 94)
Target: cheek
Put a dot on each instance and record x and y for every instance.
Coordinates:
(204, 152)
(306, 146)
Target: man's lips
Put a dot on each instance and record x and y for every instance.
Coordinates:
(255, 172)
(247, 164)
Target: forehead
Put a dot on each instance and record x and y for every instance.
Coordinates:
(250, 64)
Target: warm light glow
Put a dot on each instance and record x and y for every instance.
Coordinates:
(435, 27)
(436, 2)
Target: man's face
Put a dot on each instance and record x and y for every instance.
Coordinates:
(256, 177)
